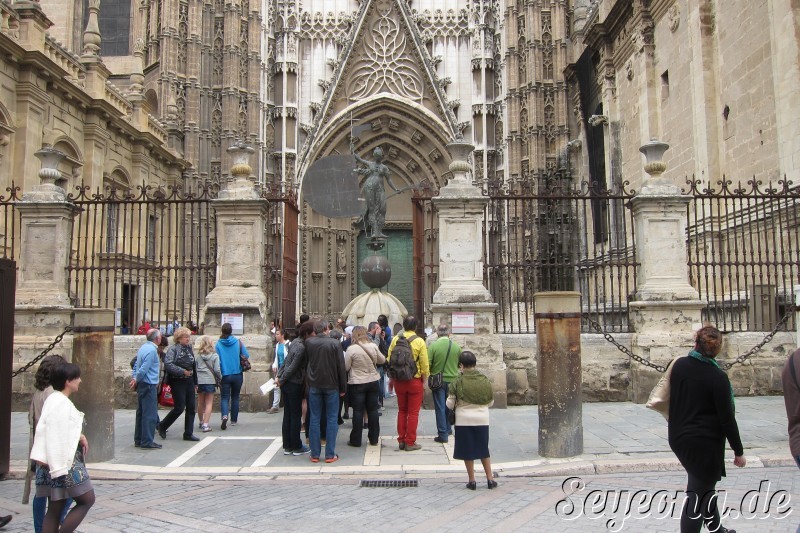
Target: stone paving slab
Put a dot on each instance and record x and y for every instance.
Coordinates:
(618, 437)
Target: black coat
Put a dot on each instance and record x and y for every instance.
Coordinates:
(701, 417)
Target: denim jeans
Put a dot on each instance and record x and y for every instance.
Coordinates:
(381, 384)
(230, 387)
(146, 414)
(330, 398)
(185, 400)
(40, 508)
(292, 413)
(364, 396)
(440, 407)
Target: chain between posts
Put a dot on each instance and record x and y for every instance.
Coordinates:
(47, 350)
(610, 338)
(741, 359)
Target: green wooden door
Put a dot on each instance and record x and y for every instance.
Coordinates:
(400, 252)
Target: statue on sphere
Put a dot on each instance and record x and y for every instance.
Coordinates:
(374, 215)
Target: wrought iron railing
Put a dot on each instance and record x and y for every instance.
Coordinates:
(744, 251)
(10, 224)
(551, 235)
(149, 253)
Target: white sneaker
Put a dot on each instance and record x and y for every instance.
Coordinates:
(205, 428)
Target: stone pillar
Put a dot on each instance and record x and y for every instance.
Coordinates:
(559, 376)
(241, 214)
(43, 304)
(93, 351)
(461, 209)
(665, 305)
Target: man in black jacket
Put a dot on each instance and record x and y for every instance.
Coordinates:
(327, 381)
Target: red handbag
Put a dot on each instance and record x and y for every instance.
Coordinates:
(165, 396)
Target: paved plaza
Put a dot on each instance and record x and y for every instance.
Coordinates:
(239, 479)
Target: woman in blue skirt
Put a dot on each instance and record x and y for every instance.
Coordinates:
(470, 396)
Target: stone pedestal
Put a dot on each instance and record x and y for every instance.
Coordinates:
(461, 211)
(240, 257)
(665, 304)
(559, 373)
(43, 304)
(241, 237)
(93, 351)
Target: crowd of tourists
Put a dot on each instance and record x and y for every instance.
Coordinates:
(321, 375)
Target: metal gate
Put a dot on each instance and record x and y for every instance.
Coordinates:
(8, 282)
(744, 251)
(425, 250)
(291, 214)
(549, 234)
(148, 253)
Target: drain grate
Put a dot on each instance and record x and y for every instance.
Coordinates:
(390, 483)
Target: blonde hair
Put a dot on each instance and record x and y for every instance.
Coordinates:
(359, 335)
(204, 345)
(181, 332)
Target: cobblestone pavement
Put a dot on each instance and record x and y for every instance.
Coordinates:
(759, 500)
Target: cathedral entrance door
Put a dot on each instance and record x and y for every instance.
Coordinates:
(399, 250)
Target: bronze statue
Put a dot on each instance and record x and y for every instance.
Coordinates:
(374, 215)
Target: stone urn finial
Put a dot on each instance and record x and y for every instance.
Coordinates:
(240, 185)
(50, 158)
(654, 156)
(241, 152)
(460, 151)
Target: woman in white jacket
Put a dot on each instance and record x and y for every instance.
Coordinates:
(59, 447)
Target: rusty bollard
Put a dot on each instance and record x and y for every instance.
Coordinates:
(93, 351)
(558, 335)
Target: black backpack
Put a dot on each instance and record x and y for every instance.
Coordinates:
(402, 366)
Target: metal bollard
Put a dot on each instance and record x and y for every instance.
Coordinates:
(93, 351)
(558, 335)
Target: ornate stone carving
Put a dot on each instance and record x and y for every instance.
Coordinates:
(386, 63)
(674, 17)
(629, 69)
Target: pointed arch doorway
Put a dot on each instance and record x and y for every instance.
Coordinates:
(413, 140)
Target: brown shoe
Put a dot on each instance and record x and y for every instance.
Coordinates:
(412, 447)
(273, 410)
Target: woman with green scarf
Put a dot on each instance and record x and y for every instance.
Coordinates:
(701, 418)
(470, 397)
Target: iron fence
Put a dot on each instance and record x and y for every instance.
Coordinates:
(11, 224)
(548, 234)
(148, 253)
(744, 251)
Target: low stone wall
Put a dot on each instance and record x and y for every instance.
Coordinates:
(259, 347)
(609, 375)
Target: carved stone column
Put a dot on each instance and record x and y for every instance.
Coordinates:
(665, 305)
(43, 299)
(241, 214)
(461, 290)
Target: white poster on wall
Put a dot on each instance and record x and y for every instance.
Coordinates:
(236, 320)
(463, 322)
